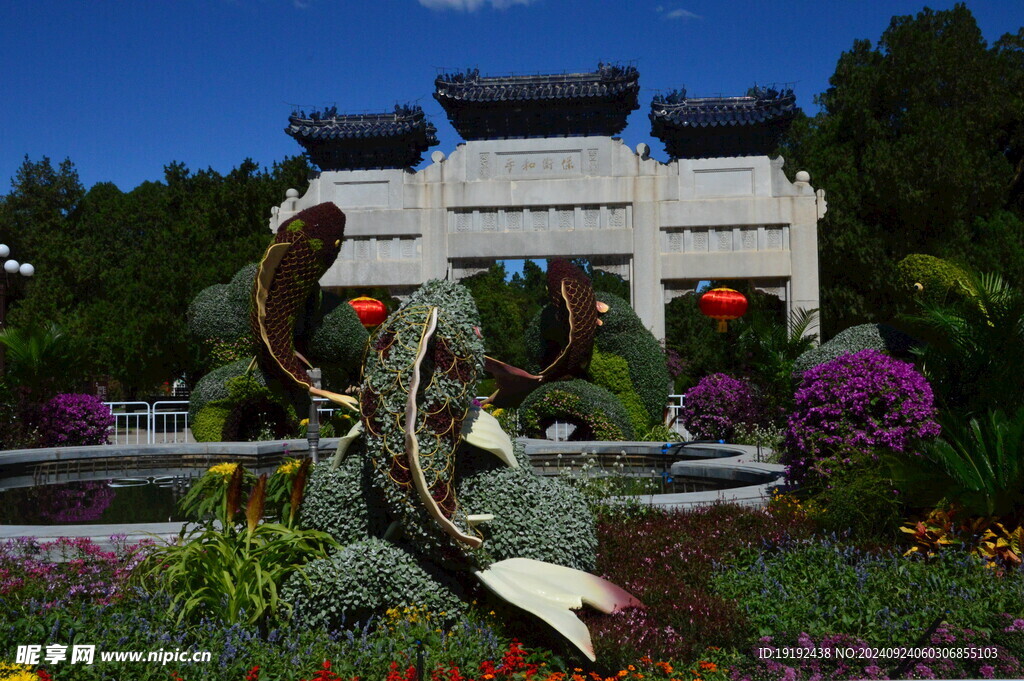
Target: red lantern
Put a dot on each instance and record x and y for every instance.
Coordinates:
(723, 304)
(371, 311)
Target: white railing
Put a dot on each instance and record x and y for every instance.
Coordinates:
(675, 405)
(139, 423)
(166, 422)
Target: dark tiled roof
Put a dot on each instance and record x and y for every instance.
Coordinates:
(758, 106)
(722, 126)
(328, 125)
(569, 104)
(470, 86)
(352, 141)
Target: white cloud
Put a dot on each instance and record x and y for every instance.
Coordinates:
(471, 5)
(684, 14)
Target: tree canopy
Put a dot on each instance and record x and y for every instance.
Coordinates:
(117, 270)
(919, 145)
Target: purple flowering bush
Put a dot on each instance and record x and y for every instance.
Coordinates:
(717, 404)
(853, 406)
(73, 419)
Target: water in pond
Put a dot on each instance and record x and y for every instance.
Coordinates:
(95, 502)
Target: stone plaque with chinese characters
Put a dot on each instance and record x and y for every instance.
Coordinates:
(529, 164)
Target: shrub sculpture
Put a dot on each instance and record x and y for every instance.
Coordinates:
(425, 495)
(880, 337)
(620, 340)
(429, 496)
(72, 419)
(716, 405)
(596, 413)
(220, 321)
(853, 407)
(351, 585)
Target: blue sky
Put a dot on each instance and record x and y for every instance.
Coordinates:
(123, 88)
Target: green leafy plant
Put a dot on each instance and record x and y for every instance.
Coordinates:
(979, 464)
(209, 496)
(233, 572)
(773, 347)
(974, 342)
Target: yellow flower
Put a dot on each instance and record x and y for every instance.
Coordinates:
(289, 466)
(16, 672)
(304, 422)
(498, 412)
(225, 470)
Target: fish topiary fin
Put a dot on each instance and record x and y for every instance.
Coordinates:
(552, 592)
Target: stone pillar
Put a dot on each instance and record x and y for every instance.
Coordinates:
(647, 290)
(434, 222)
(808, 208)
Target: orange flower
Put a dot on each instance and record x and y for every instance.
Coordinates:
(646, 660)
(664, 667)
(709, 666)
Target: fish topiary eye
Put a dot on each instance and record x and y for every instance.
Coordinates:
(918, 286)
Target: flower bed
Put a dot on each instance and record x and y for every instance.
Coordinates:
(722, 585)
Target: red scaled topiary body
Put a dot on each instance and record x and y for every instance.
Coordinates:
(576, 310)
(305, 246)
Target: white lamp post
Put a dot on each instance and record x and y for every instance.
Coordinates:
(10, 267)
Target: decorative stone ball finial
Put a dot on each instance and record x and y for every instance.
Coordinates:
(803, 176)
(292, 194)
(437, 156)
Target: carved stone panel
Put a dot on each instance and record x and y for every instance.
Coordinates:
(539, 220)
(514, 221)
(489, 221)
(566, 218)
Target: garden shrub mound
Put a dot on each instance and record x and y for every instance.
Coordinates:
(938, 279)
(880, 337)
(229, 402)
(540, 518)
(342, 501)
(622, 335)
(339, 339)
(855, 406)
(717, 405)
(596, 413)
(218, 318)
(352, 585)
(611, 372)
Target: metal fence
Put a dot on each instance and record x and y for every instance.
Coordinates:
(142, 423)
(166, 421)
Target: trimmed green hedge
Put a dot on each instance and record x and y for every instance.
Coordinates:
(365, 579)
(881, 337)
(597, 414)
(339, 341)
(612, 373)
(623, 334)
